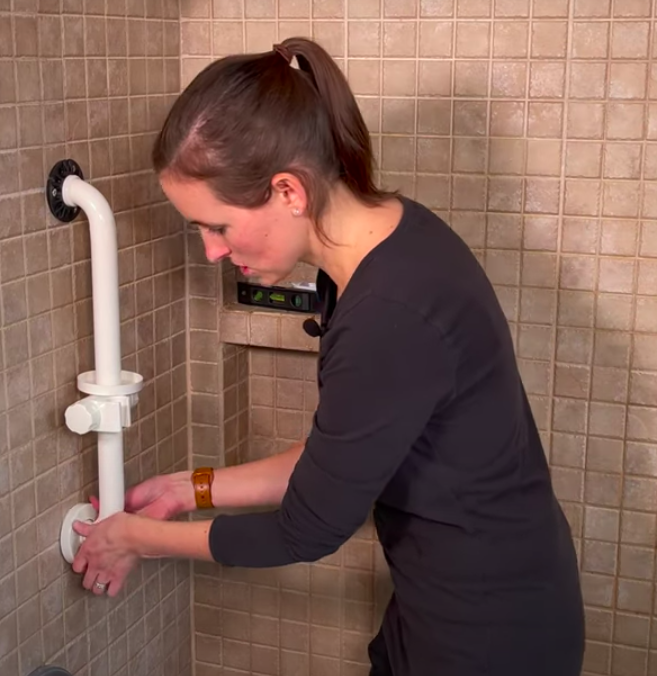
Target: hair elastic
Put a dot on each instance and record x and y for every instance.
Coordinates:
(284, 52)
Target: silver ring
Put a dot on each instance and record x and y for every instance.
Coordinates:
(100, 585)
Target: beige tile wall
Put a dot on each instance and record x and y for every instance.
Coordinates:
(89, 81)
(531, 125)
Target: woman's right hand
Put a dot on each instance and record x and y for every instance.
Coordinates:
(161, 497)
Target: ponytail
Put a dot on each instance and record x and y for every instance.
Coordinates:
(245, 118)
(350, 135)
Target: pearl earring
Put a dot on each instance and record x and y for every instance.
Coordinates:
(296, 211)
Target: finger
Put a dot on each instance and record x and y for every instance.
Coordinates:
(90, 576)
(103, 588)
(129, 500)
(95, 503)
(119, 576)
(83, 528)
(116, 584)
(153, 511)
(133, 499)
(80, 561)
(114, 588)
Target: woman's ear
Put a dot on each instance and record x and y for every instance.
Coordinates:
(289, 188)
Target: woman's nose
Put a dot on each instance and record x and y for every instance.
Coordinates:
(215, 251)
(215, 247)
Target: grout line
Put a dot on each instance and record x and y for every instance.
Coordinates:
(652, 35)
(10, 452)
(277, 21)
(452, 108)
(416, 101)
(596, 297)
(560, 219)
(380, 58)
(603, 182)
(487, 153)
(523, 202)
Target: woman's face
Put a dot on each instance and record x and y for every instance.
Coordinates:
(265, 243)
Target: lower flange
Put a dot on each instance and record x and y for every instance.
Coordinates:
(69, 540)
(54, 187)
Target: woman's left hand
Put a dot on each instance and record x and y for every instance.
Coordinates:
(107, 555)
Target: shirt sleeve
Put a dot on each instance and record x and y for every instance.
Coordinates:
(385, 373)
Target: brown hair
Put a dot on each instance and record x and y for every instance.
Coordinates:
(245, 118)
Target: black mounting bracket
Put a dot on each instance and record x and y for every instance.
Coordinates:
(50, 671)
(59, 209)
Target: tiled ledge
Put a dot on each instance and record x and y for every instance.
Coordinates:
(242, 325)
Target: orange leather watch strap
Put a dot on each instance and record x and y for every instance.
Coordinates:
(202, 479)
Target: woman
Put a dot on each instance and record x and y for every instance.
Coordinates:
(422, 414)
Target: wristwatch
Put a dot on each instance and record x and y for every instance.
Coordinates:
(202, 479)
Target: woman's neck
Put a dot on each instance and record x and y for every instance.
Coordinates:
(353, 229)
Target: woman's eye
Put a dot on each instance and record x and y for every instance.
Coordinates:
(201, 227)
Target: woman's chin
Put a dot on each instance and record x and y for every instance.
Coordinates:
(252, 275)
(264, 278)
(255, 277)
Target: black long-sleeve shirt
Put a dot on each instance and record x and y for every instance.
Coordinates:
(383, 371)
(423, 416)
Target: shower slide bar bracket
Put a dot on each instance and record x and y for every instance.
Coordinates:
(112, 393)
